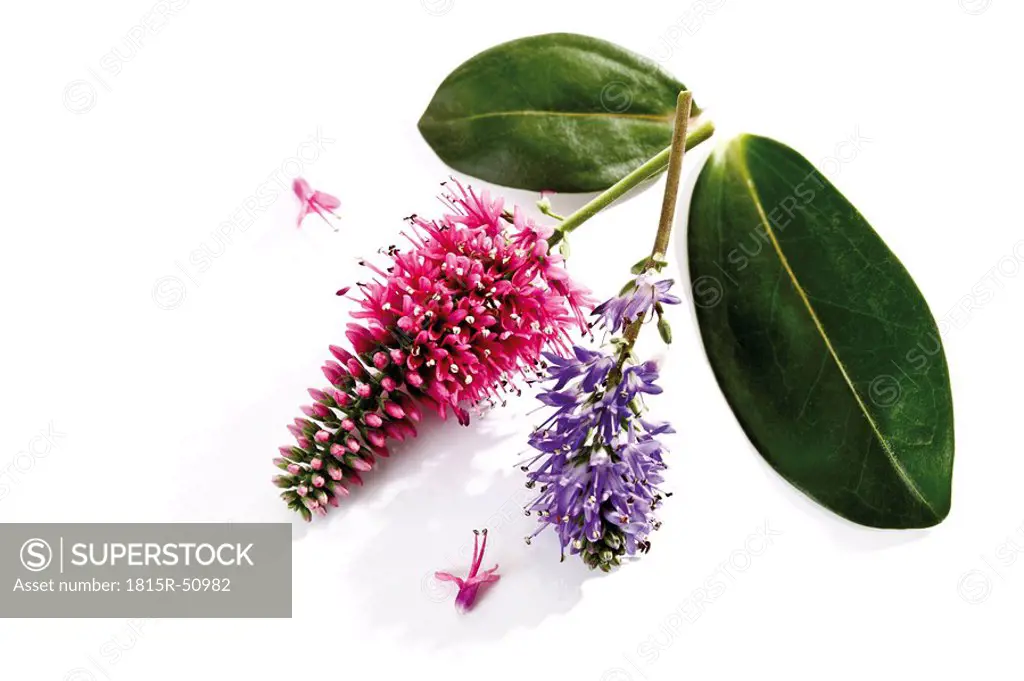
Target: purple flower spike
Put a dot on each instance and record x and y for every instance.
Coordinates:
(600, 462)
(475, 579)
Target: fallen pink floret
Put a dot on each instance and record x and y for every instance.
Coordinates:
(321, 203)
(469, 586)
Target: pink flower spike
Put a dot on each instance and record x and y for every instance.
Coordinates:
(313, 201)
(475, 579)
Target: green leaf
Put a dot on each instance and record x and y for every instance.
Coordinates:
(820, 340)
(558, 111)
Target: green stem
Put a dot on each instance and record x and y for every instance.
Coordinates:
(656, 165)
(665, 223)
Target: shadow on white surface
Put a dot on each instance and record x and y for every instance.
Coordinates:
(424, 504)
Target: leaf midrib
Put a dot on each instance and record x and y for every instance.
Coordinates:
(568, 114)
(744, 169)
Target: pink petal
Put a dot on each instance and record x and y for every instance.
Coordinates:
(302, 189)
(488, 576)
(448, 577)
(325, 200)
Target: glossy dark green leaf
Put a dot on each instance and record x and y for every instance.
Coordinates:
(559, 111)
(820, 340)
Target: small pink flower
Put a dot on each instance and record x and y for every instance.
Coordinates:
(317, 202)
(468, 587)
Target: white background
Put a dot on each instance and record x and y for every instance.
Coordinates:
(167, 404)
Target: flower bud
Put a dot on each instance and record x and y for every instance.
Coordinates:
(360, 464)
(342, 354)
(665, 330)
(375, 437)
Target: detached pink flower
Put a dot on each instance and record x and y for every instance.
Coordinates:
(468, 587)
(317, 202)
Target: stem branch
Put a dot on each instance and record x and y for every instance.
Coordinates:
(648, 170)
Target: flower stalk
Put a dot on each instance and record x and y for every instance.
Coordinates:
(668, 212)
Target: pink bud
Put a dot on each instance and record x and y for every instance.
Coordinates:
(333, 501)
(320, 511)
(318, 481)
(316, 394)
(322, 436)
(397, 356)
(360, 338)
(303, 490)
(352, 444)
(409, 406)
(363, 390)
(303, 442)
(394, 410)
(375, 437)
(361, 464)
(392, 430)
(294, 430)
(355, 368)
(355, 479)
(294, 468)
(413, 379)
(373, 420)
(381, 452)
(348, 424)
(335, 472)
(340, 489)
(316, 463)
(337, 450)
(321, 496)
(285, 450)
(380, 360)
(388, 384)
(342, 354)
(343, 399)
(332, 371)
